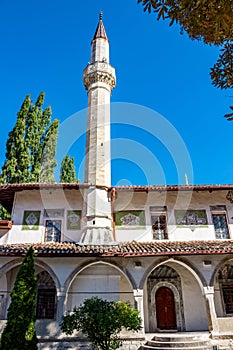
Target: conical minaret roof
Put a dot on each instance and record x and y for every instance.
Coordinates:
(100, 30)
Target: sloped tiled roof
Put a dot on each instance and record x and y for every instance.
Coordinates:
(128, 249)
(7, 191)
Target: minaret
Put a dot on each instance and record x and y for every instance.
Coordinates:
(99, 80)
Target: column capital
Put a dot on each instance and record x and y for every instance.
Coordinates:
(208, 290)
(138, 293)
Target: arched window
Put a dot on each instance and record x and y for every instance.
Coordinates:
(46, 296)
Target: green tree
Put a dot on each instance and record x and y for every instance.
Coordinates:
(31, 145)
(4, 214)
(205, 20)
(48, 163)
(16, 166)
(68, 173)
(19, 333)
(101, 321)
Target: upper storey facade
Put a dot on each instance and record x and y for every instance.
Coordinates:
(54, 213)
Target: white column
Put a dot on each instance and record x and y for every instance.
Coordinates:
(60, 304)
(138, 297)
(211, 313)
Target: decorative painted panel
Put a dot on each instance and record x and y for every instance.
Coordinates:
(190, 217)
(73, 219)
(31, 219)
(130, 219)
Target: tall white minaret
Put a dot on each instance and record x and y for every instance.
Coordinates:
(99, 80)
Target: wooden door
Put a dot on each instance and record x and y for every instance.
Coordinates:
(165, 309)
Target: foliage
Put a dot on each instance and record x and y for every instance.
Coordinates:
(68, 173)
(208, 21)
(4, 214)
(16, 166)
(19, 333)
(31, 145)
(102, 320)
(48, 162)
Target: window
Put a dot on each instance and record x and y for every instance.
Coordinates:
(220, 225)
(46, 296)
(219, 218)
(53, 230)
(159, 222)
(227, 292)
(45, 303)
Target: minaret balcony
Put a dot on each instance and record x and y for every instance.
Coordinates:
(99, 72)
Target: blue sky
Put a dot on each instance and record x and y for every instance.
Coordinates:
(45, 47)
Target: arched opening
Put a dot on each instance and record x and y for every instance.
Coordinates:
(101, 280)
(46, 291)
(223, 295)
(165, 301)
(173, 299)
(165, 309)
(225, 279)
(46, 296)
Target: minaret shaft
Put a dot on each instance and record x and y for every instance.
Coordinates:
(99, 79)
(98, 162)
(100, 50)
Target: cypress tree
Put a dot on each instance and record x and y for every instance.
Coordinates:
(68, 173)
(48, 146)
(16, 166)
(19, 333)
(31, 145)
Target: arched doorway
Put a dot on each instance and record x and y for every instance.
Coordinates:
(164, 300)
(183, 289)
(165, 309)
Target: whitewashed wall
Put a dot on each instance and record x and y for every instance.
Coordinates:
(183, 200)
(40, 200)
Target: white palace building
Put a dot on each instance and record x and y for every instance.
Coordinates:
(143, 244)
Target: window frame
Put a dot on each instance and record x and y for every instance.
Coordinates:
(221, 212)
(159, 212)
(45, 233)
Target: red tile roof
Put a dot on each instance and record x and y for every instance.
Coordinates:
(128, 249)
(7, 191)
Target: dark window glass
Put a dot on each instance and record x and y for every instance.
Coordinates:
(227, 292)
(159, 226)
(220, 226)
(45, 303)
(53, 230)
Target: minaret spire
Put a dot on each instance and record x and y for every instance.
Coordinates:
(99, 80)
(100, 30)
